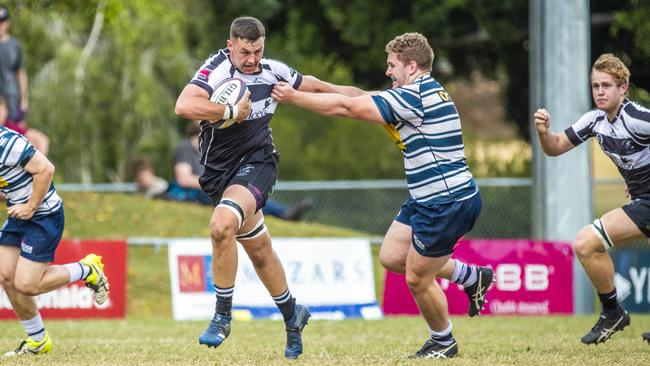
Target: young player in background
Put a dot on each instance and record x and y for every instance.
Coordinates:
(29, 237)
(622, 129)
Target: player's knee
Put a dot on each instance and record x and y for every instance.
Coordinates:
(27, 288)
(586, 243)
(414, 282)
(6, 280)
(391, 262)
(222, 230)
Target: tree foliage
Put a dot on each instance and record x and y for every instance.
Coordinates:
(105, 74)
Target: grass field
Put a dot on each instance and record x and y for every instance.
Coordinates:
(482, 341)
(148, 336)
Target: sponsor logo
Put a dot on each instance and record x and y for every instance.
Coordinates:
(67, 297)
(243, 171)
(623, 287)
(225, 95)
(204, 74)
(261, 113)
(26, 248)
(418, 242)
(3, 141)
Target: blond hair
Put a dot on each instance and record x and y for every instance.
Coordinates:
(612, 65)
(412, 47)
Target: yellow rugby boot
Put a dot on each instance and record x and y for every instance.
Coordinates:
(96, 280)
(31, 347)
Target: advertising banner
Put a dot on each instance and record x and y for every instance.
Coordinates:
(632, 278)
(75, 300)
(334, 277)
(531, 278)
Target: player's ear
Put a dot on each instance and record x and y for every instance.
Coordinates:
(413, 67)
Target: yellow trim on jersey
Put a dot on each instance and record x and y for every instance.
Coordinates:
(394, 135)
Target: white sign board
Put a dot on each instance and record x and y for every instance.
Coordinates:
(334, 277)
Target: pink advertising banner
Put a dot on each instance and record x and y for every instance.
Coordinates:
(531, 278)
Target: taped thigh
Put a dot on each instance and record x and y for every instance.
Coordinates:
(258, 230)
(235, 208)
(600, 231)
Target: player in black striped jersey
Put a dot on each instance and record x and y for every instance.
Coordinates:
(622, 128)
(241, 169)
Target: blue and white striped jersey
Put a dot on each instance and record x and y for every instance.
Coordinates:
(15, 182)
(423, 120)
(626, 140)
(220, 148)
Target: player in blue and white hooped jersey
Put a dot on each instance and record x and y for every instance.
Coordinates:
(622, 129)
(29, 237)
(444, 201)
(241, 169)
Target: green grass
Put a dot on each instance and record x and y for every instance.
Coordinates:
(115, 216)
(149, 336)
(482, 341)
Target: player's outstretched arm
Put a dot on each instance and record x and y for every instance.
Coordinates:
(553, 144)
(330, 104)
(314, 85)
(42, 171)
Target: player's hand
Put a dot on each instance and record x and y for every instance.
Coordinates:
(21, 211)
(243, 107)
(283, 92)
(542, 121)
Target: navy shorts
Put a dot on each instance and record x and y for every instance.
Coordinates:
(639, 212)
(258, 172)
(37, 237)
(436, 228)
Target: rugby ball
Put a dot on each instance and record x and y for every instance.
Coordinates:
(229, 91)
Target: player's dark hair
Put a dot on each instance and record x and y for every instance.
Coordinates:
(247, 28)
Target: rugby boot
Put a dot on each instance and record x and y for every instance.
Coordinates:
(30, 347)
(606, 326)
(218, 330)
(476, 292)
(294, 327)
(433, 349)
(96, 280)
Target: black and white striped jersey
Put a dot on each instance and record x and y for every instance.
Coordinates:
(626, 140)
(222, 148)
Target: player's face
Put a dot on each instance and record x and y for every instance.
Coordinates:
(400, 73)
(607, 95)
(246, 55)
(396, 70)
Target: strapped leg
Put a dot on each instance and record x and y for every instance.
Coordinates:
(600, 231)
(235, 208)
(258, 230)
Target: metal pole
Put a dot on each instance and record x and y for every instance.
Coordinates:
(559, 72)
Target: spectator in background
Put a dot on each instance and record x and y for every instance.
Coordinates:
(147, 182)
(188, 169)
(14, 87)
